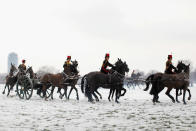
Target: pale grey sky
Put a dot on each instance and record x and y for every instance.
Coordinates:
(141, 32)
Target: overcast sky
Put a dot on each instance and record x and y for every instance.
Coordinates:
(141, 32)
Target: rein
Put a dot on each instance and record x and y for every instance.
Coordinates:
(119, 75)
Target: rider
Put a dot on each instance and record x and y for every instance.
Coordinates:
(169, 66)
(133, 74)
(67, 63)
(22, 67)
(106, 63)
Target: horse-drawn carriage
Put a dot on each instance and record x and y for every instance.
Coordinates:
(25, 83)
(28, 81)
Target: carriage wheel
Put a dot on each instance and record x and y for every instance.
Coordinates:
(48, 93)
(24, 88)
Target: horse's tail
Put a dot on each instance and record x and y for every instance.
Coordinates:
(82, 83)
(149, 81)
(86, 89)
(156, 86)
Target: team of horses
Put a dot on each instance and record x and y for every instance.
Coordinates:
(114, 81)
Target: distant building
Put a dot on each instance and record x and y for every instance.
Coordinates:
(12, 58)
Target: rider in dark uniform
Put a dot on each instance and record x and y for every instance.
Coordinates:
(169, 66)
(106, 63)
(67, 66)
(67, 63)
(22, 67)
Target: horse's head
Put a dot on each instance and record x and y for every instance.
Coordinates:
(121, 67)
(30, 71)
(187, 69)
(75, 63)
(74, 67)
(183, 67)
(12, 69)
(180, 66)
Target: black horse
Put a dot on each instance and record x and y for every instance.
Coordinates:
(177, 81)
(10, 80)
(113, 81)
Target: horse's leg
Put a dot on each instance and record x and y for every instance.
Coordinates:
(88, 93)
(99, 94)
(157, 99)
(117, 93)
(59, 90)
(9, 89)
(170, 96)
(70, 92)
(52, 91)
(113, 91)
(44, 88)
(77, 95)
(177, 95)
(4, 89)
(189, 98)
(110, 94)
(65, 93)
(96, 97)
(154, 99)
(157, 95)
(184, 93)
(180, 92)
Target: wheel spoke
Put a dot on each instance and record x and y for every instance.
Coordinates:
(28, 92)
(25, 94)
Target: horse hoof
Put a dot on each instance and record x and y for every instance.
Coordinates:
(189, 98)
(178, 101)
(184, 103)
(3, 92)
(61, 97)
(100, 97)
(77, 99)
(158, 102)
(91, 101)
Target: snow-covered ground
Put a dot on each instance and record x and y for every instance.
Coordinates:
(135, 112)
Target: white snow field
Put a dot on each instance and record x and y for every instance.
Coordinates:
(135, 112)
